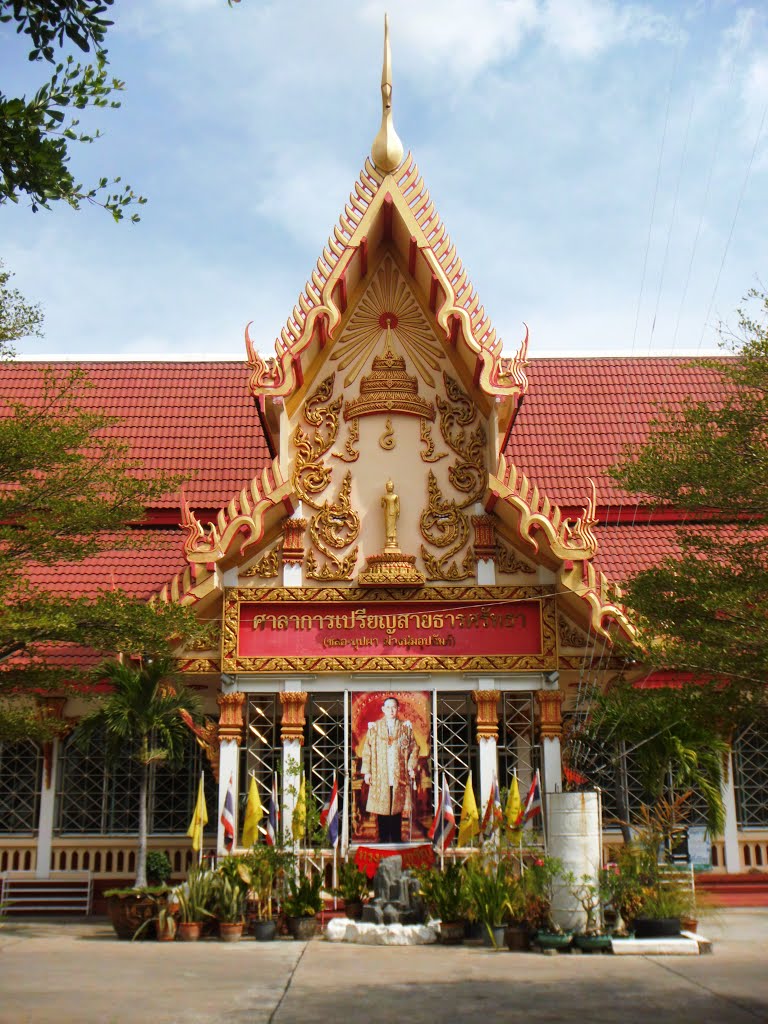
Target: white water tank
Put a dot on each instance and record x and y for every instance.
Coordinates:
(574, 838)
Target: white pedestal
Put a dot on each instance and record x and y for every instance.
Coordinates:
(731, 834)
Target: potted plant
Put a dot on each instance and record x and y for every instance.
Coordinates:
(445, 895)
(538, 883)
(488, 889)
(164, 922)
(517, 934)
(230, 908)
(302, 905)
(158, 868)
(353, 888)
(590, 894)
(195, 899)
(141, 713)
(267, 866)
(132, 908)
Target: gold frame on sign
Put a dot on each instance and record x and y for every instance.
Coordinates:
(234, 597)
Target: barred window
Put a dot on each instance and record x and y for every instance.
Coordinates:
(21, 773)
(750, 764)
(456, 744)
(517, 751)
(98, 799)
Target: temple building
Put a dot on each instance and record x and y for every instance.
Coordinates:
(384, 505)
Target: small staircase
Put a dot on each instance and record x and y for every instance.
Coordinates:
(744, 890)
(64, 892)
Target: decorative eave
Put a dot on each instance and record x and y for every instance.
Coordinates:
(242, 523)
(257, 509)
(568, 545)
(394, 208)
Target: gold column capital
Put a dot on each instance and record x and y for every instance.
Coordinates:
(293, 721)
(550, 707)
(231, 724)
(487, 721)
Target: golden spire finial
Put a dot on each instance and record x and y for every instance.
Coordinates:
(387, 149)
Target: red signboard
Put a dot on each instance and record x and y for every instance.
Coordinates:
(391, 628)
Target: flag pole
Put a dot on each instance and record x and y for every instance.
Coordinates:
(543, 815)
(441, 805)
(199, 813)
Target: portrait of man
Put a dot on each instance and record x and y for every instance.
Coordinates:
(391, 732)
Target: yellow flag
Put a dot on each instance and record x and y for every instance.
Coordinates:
(254, 812)
(469, 825)
(514, 808)
(299, 824)
(199, 819)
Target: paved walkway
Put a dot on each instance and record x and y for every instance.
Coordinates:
(56, 973)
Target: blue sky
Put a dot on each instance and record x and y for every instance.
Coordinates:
(602, 167)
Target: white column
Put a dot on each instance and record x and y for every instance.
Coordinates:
(485, 697)
(229, 764)
(486, 572)
(291, 783)
(550, 701)
(552, 764)
(293, 700)
(731, 834)
(45, 816)
(292, 575)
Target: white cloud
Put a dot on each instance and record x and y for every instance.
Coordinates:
(585, 28)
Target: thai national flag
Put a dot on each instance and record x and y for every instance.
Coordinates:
(493, 813)
(444, 825)
(228, 816)
(533, 800)
(273, 818)
(332, 818)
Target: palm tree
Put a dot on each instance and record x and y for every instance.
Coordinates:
(672, 735)
(141, 716)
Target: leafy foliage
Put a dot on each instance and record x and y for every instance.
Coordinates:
(68, 488)
(670, 733)
(36, 132)
(141, 717)
(18, 319)
(706, 609)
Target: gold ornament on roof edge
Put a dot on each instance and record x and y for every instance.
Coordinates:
(387, 149)
(388, 304)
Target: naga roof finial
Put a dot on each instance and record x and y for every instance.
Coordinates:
(387, 149)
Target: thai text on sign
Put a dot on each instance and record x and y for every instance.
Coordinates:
(271, 628)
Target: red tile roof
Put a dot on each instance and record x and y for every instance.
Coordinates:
(624, 549)
(579, 413)
(196, 419)
(140, 572)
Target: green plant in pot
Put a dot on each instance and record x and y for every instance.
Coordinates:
(196, 900)
(445, 894)
(158, 868)
(268, 866)
(590, 893)
(538, 881)
(302, 905)
(354, 888)
(231, 898)
(488, 890)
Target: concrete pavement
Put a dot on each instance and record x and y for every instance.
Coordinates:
(74, 971)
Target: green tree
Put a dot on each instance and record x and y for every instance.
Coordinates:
(704, 610)
(36, 132)
(141, 717)
(18, 319)
(673, 737)
(68, 490)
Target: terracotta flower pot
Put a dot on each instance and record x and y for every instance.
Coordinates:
(451, 933)
(517, 937)
(129, 911)
(230, 931)
(190, 931)
(353, 909)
